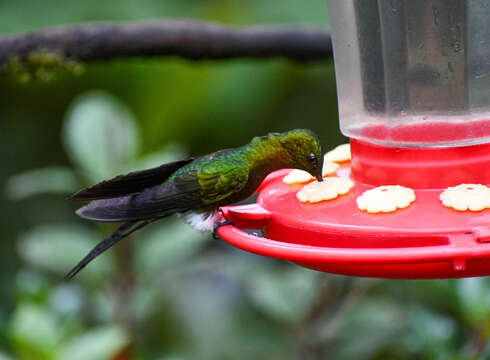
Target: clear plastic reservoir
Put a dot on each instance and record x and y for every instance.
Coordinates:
(413, 72)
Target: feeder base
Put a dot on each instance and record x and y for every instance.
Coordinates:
(424, 241)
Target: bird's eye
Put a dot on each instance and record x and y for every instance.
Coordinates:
(312, 159)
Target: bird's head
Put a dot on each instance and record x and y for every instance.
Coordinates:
(304, 150)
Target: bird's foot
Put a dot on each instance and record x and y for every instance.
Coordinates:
(219, 224)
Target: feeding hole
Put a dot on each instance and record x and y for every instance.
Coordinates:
(469, 187)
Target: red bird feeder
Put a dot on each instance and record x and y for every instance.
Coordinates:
(413, 82)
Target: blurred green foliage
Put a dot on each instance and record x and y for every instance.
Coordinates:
(169, 292)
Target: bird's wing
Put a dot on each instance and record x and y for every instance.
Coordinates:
(179, 194)
(131, 183)
(197, 188)
(218, 183)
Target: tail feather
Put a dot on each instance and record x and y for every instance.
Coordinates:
(122, 231)
(131, 183)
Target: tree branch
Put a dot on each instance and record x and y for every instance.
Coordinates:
(193, 40)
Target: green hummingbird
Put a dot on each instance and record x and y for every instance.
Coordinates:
(194, 187)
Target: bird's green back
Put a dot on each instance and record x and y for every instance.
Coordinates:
(232, 175)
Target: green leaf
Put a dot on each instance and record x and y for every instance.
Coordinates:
(52, 180)
(213, 314)
(34, 332)
(100, 136)
(5, 356)
(363, 329)
(168, 243)
(285, 293)
(99, 344)
(31, 285)
(474, 296)
(66, 298)
(429, 333)
(57, 248)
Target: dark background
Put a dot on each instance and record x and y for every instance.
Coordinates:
(168, 292)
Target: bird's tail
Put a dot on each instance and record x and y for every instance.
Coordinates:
(122, 231)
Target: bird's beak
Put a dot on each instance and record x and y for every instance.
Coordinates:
(319, 177)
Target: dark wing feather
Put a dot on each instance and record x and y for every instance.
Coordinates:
(131, 183)
(123, 231)
(180, 194)
(196, 188)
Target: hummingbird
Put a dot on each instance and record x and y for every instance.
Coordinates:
(195, 188)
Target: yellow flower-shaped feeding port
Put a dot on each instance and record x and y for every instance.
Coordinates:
(473, 197)
(328, 189)
(340, 154)
(329, 168)
(297, 176)
(385, 199)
